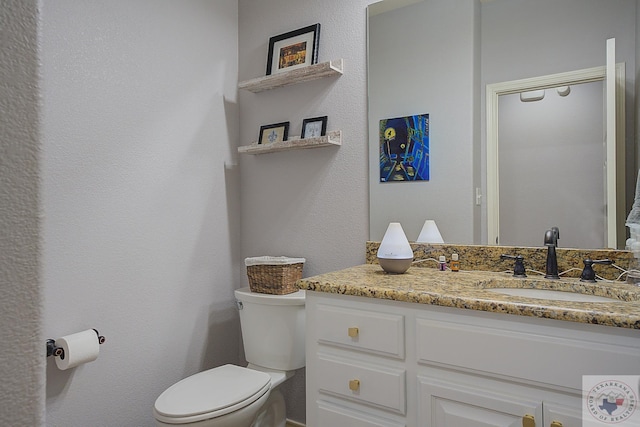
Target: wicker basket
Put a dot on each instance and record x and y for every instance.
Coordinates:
(274, 275)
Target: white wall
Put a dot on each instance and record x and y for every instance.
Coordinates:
(427, 68)
(309, 203)
(141, 218)
(21, 353)
(140, 215)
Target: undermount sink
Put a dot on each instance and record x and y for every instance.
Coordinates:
(551, 294)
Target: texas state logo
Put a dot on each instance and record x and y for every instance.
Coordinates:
(611, 401)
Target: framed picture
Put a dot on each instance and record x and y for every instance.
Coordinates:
(404, 148)
(295, 49)
(277, 132)
(314, 127)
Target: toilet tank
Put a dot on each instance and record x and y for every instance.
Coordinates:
(273, 329)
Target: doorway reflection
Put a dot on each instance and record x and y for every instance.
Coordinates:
(552, 166)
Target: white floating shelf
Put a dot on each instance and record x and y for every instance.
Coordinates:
(333, 138)
(304, 74)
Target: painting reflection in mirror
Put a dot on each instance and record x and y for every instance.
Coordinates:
(404, 148)
(483, 44)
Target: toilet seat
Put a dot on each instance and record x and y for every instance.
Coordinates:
(211, 394)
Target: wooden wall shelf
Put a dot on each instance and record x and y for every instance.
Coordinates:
(287, 78)
(333, 138)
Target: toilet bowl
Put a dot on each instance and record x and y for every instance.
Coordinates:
(235, 396)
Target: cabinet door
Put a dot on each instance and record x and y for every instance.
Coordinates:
(556, 415)
(335, 416)
(444, 404)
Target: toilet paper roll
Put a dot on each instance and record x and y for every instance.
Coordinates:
(79, 348)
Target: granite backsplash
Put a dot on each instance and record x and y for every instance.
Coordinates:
(487, 258)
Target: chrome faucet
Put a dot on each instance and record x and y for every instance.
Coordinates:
(551, 242)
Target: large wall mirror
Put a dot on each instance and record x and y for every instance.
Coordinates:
(438, 57)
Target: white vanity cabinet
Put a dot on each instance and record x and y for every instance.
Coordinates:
(375, 362)
(358, 368)
(447, 403)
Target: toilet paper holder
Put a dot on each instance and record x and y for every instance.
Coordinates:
(54, 350)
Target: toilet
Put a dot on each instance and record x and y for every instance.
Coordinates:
(273, 328)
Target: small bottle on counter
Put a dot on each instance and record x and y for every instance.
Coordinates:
(442, 263)
(455, 262)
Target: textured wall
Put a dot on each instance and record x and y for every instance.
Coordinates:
(140, 212)
(309, 203)
(22, 368)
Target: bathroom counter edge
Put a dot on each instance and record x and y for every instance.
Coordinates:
(468, 290)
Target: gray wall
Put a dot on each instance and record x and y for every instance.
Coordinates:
(528, 39)
(423, 61)
(141, 234)
(308, 203)
(21, 353)
(141, 192)
(140, 223)
(436, 57)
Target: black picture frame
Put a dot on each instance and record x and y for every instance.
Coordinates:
(314, 127)
(294, 49)
(279, 132)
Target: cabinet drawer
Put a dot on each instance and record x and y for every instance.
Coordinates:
(553, 357)
(331, 415)
(368, 331)
(379, 386)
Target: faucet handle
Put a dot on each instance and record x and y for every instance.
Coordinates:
(551, 237)
(588, 275)
(518, 268)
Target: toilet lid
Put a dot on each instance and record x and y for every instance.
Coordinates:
(211, 393)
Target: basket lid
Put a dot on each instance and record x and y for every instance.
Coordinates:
(272, 260)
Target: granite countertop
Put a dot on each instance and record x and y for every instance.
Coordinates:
(469, 290)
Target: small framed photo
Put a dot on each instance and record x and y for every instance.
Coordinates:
(314, 127)
(295, 49)
(276, 132)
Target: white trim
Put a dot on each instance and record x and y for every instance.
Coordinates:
(387, 5)
(293, 424)
(620, 184)
(537, 83)
(610, 138)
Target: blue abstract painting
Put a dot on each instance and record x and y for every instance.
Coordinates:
(404, 149)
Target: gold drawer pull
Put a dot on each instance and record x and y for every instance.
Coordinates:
(528, 421)
(353, 332)
(555, 424)
(354, 385)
